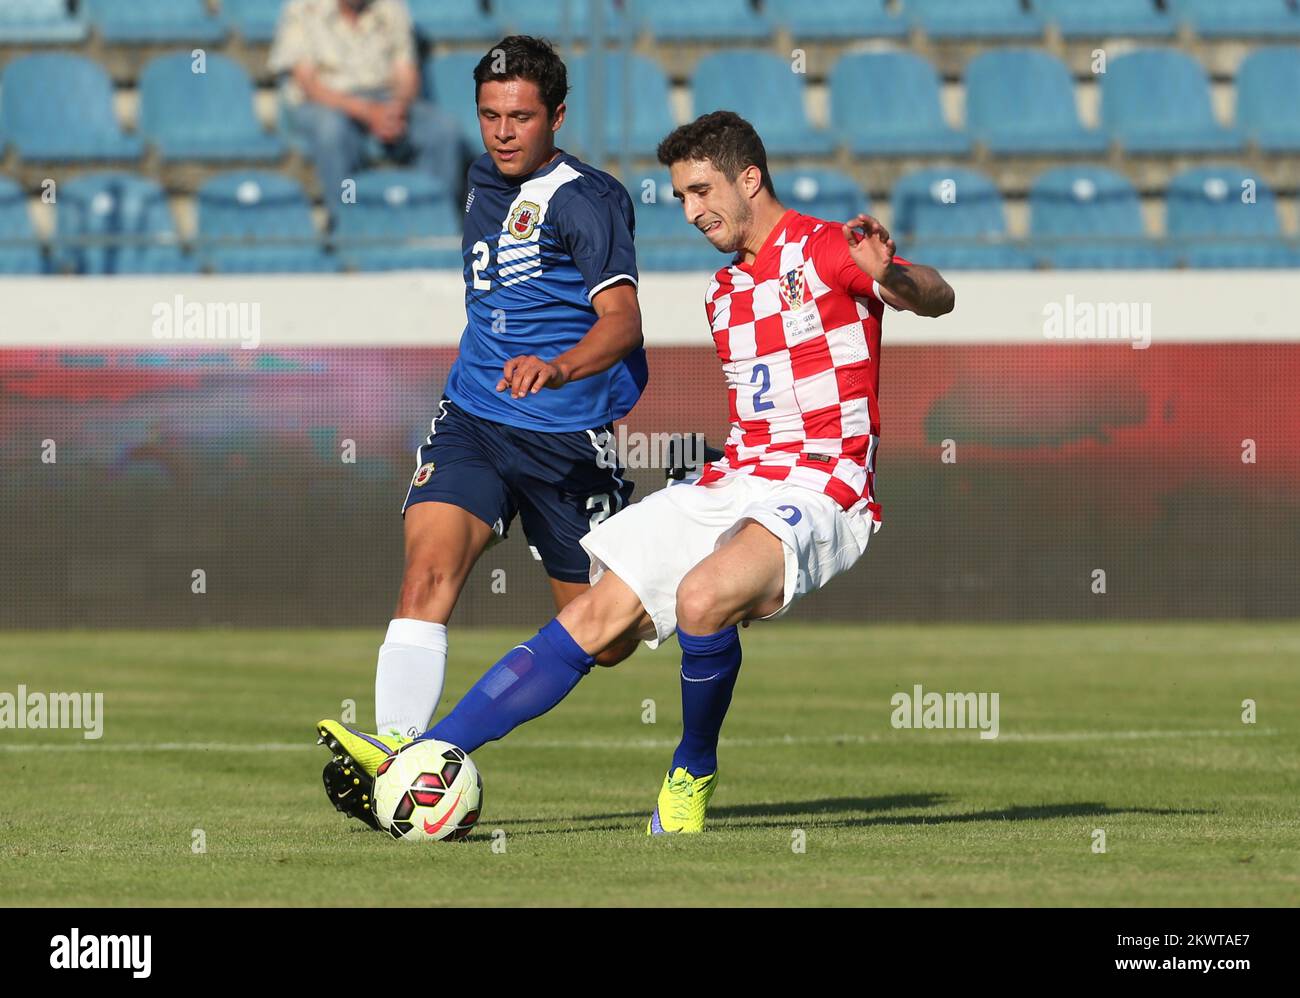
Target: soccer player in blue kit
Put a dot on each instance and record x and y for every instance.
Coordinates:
(550, 356)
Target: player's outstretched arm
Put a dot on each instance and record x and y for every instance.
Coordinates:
(912, 288)
(615, 334)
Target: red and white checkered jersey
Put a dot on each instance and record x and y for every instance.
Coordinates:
(798, 334)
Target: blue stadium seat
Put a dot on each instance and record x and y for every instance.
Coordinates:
(951, 217)
(39, 22)
(449, 83)
(255, 20)
(1111, 18)
(546, 20)
(1158, 101)
(664, 239)
(252, 222)
(827, 194)
(887, 103)
(974, 19)
(1239, 18)
(761, 88)
(141, 21)
(1268, 81)
(828, 20)
(55, 106)
(1090, 218)
(202, 116)
(453, 21)
(702, 20)
(98, 206)
(1209, 217)
(1021, 102)
(650, 103)
(20, 253)
(393, 206)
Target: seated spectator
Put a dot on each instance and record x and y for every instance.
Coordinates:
(349, 72)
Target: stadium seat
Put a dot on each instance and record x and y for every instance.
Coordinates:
(760, 87)
(449, 83)
(887, 103)
(547, 20)
(202, 116)
(255, 20)
(251, 222)
(828, 20)
(55, 106)
(152, 21)
(1211, 218)
(20, 253)
(39, 22)
(1110, 18)
(1090, 218)
(650, 104)
(453, 21)
(952, 217)
(1268, 81)
(703, 20)
(827, 194)
(98, 206)
(1158, 101)
(393, 206)
(1239, 18)
(974, 19)
(1039, 88)
(664, 239)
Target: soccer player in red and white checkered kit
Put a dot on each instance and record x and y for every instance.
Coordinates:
(795, 318)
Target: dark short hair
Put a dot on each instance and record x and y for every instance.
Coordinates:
(523, 57)
(723, 138)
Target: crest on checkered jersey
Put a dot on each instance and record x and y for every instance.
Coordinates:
(794, 289)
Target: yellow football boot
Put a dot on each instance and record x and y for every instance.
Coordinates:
(683, 799)
(367, 751)
(349, 776)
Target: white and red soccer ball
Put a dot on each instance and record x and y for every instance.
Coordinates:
(428, 791)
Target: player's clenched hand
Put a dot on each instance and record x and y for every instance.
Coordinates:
(873, 249)
(528, 375)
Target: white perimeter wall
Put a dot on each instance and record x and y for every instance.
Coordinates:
(428, 308)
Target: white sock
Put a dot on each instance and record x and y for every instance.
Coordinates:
(409, 677)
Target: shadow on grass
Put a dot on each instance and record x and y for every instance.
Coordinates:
(845, 812)
(1037, 812)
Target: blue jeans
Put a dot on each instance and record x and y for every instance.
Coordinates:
(338, 144)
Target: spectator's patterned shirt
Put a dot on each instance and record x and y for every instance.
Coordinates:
(348, 57)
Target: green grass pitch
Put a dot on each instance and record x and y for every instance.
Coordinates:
(1134, 729)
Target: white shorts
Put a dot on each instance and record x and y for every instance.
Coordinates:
(654, 543)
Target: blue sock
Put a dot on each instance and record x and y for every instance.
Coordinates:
(528, 681)
(710, 665)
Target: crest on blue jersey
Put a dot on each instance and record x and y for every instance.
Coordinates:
(794, 288)
(523, 219)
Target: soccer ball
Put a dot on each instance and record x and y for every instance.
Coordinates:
(426, 791)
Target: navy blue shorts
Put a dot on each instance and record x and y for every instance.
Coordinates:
(560, 484)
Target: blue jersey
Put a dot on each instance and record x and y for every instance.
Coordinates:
(537, 249)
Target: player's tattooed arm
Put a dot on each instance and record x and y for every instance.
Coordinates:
(912, 288)
(615, 334)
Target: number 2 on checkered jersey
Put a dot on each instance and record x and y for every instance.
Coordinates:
(760, 375)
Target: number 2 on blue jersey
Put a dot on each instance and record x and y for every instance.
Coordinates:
(482, 258)
(761, 373)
